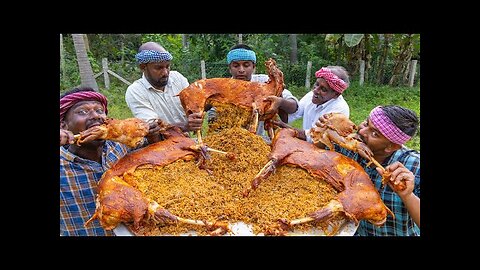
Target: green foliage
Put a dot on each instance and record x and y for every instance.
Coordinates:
(71, 75)
(352, 39)
(294, 74)
(298, 91)
(114, 47)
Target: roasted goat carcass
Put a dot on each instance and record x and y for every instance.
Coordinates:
(130, 131)
(119, 201)
(245, 94)
(338, 128)
(357, 198)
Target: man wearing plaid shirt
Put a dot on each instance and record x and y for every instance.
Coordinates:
(82, 166)
(385, 132)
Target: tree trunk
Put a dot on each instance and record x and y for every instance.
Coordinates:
(367, 56)
(86, 72)
(294, 49)
(401, 60)
(87, 43)
(122, 44)
(381, 62)
(405, 73)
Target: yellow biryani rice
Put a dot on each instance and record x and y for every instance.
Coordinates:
(188, 192)
(229, 116)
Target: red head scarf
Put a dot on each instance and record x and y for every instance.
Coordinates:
(333, 80)
(69, 100)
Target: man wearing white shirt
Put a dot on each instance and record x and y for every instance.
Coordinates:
(154, 96)
(326, 97)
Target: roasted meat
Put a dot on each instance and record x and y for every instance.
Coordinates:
(245, 94)
(118, 198)
(130, 131)
(357, 198)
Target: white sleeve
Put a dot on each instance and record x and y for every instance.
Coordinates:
(301, 107)
(286, 94)
(307, 136)
(139, 104)
(183, 81)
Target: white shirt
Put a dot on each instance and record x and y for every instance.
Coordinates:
(147, 102)
(311, 112)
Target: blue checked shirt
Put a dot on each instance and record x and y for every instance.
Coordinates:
(403, 224)
(78, 188)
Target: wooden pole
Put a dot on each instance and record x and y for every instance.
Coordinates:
(413, 70)
(202, 67)
(118, 77)
(362, 72)
(62, 58)
(294, 49)
(105, 73)
(184, 41)
(122, 59)
(307, 79)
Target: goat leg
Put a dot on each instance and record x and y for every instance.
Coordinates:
(255, 115)
(198, 147)
(163, 216)
(261, 175)
(319, 215)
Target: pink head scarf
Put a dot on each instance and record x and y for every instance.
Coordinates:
(69, 100)
(333, 80)
(381, 121)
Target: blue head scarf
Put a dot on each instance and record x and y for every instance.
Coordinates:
(241, 55)
(147, 56)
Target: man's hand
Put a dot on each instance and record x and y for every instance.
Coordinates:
(281, 124)
(275, 103)
(66, 137)
(153, 135)
(400, 174)
(300, 132)
(195, 122)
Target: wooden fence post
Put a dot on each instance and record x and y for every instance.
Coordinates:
(118, 77)
(413, 70)
(62, 58)
(307, 78)
(202, 67)
(184, 41)
(105, 73)
(362, 72)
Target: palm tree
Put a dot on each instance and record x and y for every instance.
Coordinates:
(86, 72)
